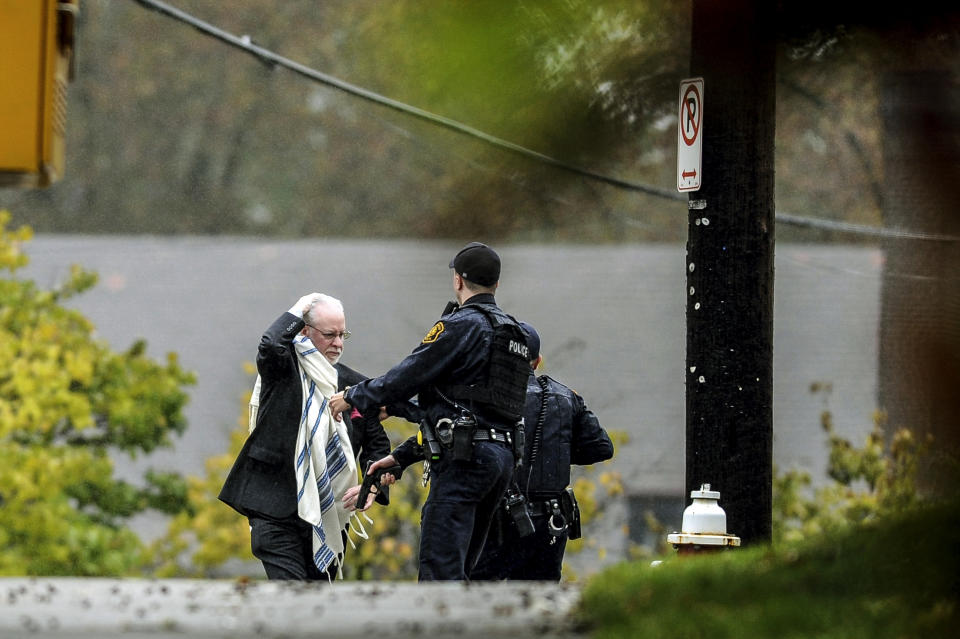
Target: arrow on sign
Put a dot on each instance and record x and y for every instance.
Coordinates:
(689, 174)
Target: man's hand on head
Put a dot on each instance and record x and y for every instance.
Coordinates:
(303, 304)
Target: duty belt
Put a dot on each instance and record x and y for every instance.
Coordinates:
(542, 507)
(493, 435)
(557, 522)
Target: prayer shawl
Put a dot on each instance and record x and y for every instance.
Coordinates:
(323, 458)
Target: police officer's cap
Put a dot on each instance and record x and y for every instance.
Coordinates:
(477, 263)
(533, 340)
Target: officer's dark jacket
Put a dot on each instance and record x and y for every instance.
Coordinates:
(369, 440)
(569, 433)
(262, 479)
(455, 351)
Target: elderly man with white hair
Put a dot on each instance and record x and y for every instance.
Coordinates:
(298, 462)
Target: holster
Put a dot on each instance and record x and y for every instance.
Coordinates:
(463, 429)
(452, 437)
(571, 512)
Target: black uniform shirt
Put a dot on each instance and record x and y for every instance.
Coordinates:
(455, 351)
(569, 433)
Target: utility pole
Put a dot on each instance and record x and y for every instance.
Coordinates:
(729, 373)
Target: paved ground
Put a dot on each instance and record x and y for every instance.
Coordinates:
(176, 609)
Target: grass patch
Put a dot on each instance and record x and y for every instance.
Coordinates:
(893, 578)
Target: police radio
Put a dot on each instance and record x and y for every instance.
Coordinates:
(517, 509)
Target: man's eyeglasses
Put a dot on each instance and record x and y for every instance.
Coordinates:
(331, 335)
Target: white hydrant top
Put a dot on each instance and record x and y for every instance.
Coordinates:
(704, 522)
(704, 516)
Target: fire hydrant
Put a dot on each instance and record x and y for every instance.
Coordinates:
(704, 526)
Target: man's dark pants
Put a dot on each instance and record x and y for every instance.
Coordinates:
(458, 511)
(285, 548)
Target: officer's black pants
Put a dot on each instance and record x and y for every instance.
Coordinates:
(536, 557)
(285, 548)
(458, 511)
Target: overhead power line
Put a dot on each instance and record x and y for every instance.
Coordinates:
(271, 58)
(862, 229)
(265, 55)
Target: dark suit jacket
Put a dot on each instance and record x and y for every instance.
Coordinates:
(262, 480)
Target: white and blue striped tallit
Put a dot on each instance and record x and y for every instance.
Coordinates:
(323, 457)
(325, 465)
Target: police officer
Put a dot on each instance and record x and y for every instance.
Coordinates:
(560, 431)
(470, 374)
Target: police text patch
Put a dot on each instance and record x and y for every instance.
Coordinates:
(434, 333)
(519, 349)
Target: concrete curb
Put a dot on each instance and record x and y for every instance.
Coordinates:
(84, 608)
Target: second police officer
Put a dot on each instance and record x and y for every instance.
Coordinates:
(470, 375)
(560, 431)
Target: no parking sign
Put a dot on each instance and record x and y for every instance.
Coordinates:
(689, 135)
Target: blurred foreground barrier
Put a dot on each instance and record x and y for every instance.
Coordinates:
(159, 609)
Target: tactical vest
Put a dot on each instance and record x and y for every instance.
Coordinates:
(503, 395)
